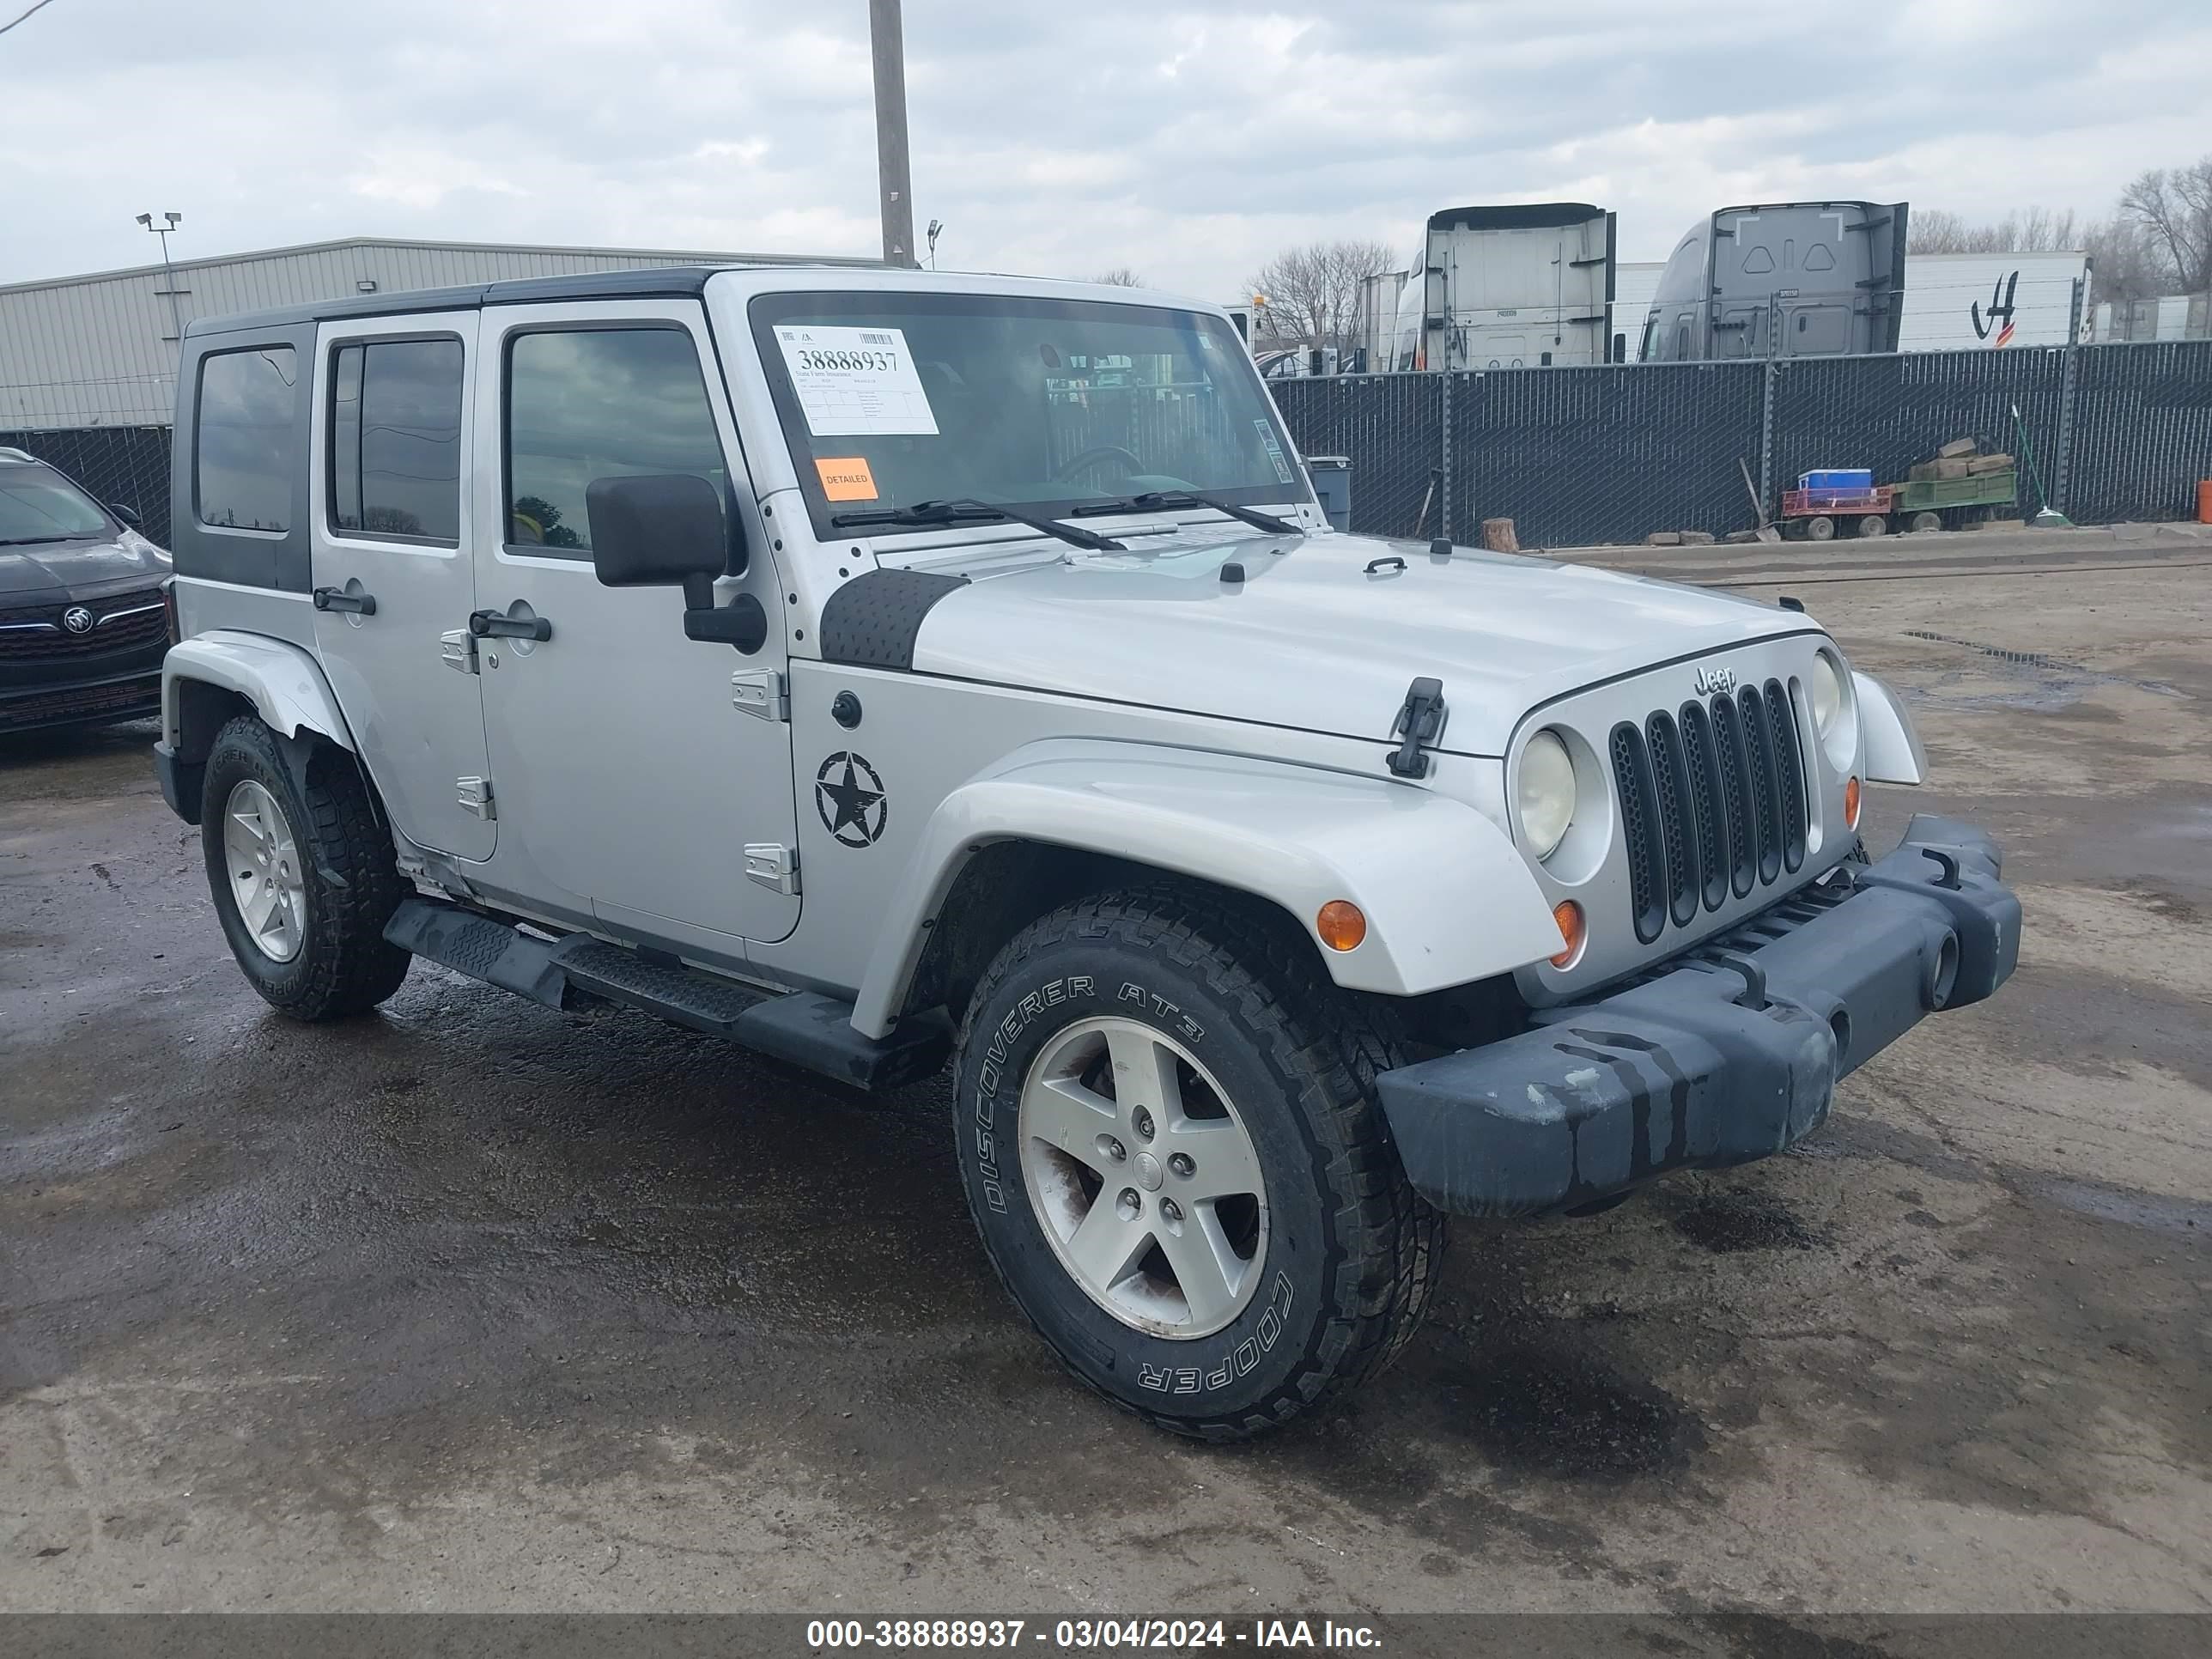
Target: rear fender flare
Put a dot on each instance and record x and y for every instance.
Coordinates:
(284, 684)
(1447, 896)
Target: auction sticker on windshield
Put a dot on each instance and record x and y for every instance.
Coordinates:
(856, 382)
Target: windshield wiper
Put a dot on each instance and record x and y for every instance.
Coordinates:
(948, 511)
(1152, 500)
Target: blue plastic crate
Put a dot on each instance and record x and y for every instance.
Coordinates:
(1838, 478)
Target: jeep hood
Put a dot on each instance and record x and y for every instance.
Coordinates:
(1312, 638)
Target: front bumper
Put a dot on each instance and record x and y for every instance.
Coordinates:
(1727, 1053)
(115, 697)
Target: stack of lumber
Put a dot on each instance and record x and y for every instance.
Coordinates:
(1960, 458)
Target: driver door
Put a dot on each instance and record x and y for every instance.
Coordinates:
(629, 782)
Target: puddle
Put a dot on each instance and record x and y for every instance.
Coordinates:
(1542, 1409)
(2192, 1217)
(1725, 1223)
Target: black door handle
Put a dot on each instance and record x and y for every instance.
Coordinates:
(337, 598)
(498, 625)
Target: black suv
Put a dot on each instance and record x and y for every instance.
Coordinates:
(83, 603)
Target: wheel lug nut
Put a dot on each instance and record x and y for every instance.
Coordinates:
(1170, 1209)
(1143, 1123)
(1112, 1149)
(1129, 1206)
(1181, 1166)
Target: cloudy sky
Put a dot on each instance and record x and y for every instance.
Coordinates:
(1189, 140)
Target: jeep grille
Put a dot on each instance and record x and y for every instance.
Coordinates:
(1712, 802)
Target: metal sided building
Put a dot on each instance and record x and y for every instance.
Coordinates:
(100, 350)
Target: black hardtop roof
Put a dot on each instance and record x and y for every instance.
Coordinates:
(659, 283)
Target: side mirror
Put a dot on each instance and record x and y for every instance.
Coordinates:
(667, 530)
(128, 513)
(657, 530)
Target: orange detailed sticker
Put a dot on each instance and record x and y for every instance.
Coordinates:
(847, 479)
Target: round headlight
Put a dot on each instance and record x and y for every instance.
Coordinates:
(1544, 802)
(1828, 694)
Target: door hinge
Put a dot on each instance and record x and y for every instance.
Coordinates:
(759, 691)
(773, 866)
(458, 647)
(476, 798)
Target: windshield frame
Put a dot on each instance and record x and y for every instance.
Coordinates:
(765, 311)
(109, 526)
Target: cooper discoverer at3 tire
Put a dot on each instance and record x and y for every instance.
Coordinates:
(303, 879)
(1170, 1139)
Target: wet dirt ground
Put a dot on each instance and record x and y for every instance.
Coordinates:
(473, 1305)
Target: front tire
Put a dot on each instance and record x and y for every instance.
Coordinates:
(303, 878)
(1169, 1136)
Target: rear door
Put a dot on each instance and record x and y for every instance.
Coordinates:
(391, 478)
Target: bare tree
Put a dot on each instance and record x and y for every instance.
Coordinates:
(2124, 265)
(2173, 207)
(1312, 293)
(2031, 230)
(1119, 276)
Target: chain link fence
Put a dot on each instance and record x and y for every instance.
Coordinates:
(1391, 427)
(1582, 456)
(2141, 431)
(128, 464)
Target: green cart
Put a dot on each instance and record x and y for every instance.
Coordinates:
(1948, 503)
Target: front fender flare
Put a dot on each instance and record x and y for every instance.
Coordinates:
(1890, 741)
(282, 681)
(1447, 897)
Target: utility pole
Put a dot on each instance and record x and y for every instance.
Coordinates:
(888, 41)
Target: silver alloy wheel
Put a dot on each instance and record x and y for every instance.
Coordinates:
(1143, 1177)
(266, 877)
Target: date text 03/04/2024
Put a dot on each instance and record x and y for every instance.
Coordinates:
(1082, 1635)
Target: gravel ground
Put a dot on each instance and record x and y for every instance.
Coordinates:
(474, 1305)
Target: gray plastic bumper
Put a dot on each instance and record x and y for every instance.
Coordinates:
(1727, 1053)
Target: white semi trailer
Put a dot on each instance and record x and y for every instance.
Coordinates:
(1525, 286)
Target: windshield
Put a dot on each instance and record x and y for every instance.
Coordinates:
(891, 399)
(37, 504)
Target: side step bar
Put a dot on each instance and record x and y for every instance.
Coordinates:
(803, 1028)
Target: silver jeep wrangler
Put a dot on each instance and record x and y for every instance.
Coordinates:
(880, 668)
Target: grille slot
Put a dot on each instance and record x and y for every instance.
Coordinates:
(1712, 802)
(1639, 821)
(35, 634)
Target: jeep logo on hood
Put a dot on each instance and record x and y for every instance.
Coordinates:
(1714, 681)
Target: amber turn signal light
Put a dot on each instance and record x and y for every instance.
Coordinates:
(1340, 925)
(1850, 803)
(1568, 916)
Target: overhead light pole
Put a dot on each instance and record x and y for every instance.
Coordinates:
(168, 270)
(887, 40)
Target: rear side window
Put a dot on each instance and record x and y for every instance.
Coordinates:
(245, 441)
(396, 440)
(598, 404)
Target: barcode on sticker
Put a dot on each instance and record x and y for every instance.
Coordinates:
(875, 339)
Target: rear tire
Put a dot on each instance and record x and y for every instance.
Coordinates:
(1330, 1266)
(313, 869)
(1820, 529)
(1924, 522)
(1873, 524)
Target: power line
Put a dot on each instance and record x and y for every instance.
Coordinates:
(41, 5)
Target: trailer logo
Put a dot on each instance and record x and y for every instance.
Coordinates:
(849, 796)
(1714, 681)
(1998, 318)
